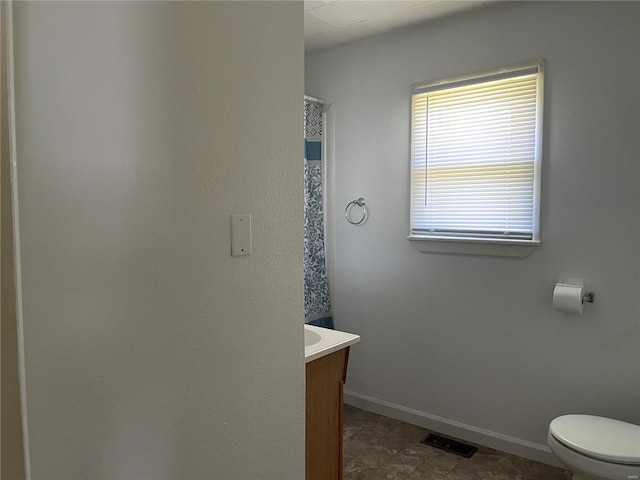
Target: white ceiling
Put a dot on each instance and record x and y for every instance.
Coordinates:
(333, 22)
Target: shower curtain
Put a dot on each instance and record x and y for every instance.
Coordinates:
(317, 304)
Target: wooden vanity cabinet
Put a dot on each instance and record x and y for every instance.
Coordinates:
(325, 379)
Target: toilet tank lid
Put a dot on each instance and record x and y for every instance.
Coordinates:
(598, 437)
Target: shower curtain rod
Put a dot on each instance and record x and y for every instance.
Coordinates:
(313, 99)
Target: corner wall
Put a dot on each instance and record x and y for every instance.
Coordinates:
(472, 344)
(12, 458)
(150, 351)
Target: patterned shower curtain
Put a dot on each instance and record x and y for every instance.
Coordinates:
(317, 304)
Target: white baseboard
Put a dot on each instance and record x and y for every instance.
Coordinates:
(487, 438)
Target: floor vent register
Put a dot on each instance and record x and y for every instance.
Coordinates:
(449, 445)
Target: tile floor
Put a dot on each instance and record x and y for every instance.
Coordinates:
(377, 448)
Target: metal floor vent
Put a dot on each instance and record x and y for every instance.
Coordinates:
(448, 445)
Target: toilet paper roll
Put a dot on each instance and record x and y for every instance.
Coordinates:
(568, 298)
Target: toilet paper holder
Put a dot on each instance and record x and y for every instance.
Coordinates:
(569, 296)
(587, 297)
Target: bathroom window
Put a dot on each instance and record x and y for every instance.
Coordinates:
(476, 146)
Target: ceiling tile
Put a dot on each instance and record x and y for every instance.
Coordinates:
(386, 6)
(341, 14)
(421, 13)
(410, 16)
(314, 26)
(335, 22)
(311, 4)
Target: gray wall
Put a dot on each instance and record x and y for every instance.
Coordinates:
(150, 352)
(471, 339)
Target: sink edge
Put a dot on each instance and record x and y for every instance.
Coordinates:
(331, 341)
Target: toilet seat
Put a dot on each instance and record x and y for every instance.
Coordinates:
(598, 437)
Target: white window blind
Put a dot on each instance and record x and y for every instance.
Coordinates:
(475, 156)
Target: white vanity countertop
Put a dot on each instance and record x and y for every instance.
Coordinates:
(319, 342)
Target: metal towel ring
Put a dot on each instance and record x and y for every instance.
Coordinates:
(359, 202)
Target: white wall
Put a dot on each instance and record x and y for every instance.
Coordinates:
(470, 339)
(150, 352)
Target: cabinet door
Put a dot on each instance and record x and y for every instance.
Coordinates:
(325, 382)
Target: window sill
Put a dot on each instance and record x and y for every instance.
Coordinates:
(470, 246)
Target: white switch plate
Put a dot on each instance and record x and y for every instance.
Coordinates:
(240, 235)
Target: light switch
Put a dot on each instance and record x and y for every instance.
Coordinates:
(240, 235)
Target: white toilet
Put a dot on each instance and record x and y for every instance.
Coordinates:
(596, 448)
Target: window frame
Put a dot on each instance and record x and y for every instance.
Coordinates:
(470, 245)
